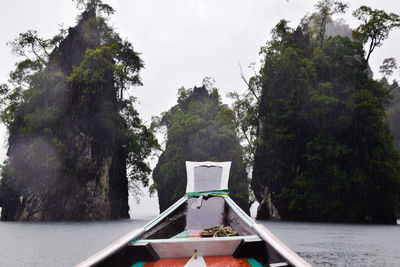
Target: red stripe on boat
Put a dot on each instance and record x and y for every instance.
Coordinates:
(194, 234)
(226, 261)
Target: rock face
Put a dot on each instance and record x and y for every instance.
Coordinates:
(266, 210)
(74, 167)
(199, 128)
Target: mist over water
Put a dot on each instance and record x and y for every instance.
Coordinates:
(322, 244)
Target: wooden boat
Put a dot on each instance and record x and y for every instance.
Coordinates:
(175, 237)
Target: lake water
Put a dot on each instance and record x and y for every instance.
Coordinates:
(66, 244)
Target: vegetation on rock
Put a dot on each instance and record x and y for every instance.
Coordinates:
(72, 133)
(324, 150)
(198, 128)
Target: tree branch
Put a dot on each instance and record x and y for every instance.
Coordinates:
(248, 84)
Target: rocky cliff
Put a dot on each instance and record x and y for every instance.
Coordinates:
(67, 155)
(199, 128)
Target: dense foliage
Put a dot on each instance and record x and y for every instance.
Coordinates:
(66, 114)
(324, 149)
(198, 128)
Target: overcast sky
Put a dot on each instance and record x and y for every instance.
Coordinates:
(181, 41)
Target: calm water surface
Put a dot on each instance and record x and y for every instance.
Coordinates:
(324, 244)
(66, 244)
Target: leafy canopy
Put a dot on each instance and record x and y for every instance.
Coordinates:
(325, 10)
(375, 26)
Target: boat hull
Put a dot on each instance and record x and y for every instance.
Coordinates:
(158, 241)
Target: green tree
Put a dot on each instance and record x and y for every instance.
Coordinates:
(387, 67)
(325, 10)
(245, 108)
(375, 27)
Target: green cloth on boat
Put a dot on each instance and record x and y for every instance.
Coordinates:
(183, 234)
(139, 264)
(211, 193)
(253, 262)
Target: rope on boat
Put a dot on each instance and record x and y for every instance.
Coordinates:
(218, 231)
(210, 193)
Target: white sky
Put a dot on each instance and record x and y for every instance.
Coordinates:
(181, 41)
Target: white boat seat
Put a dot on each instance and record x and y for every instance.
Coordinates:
(185, 247)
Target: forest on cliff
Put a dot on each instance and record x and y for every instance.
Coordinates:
(198, 128)
(323, 149)
(314, 138)
(75, 140)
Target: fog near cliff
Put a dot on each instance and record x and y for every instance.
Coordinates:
(181, 41)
